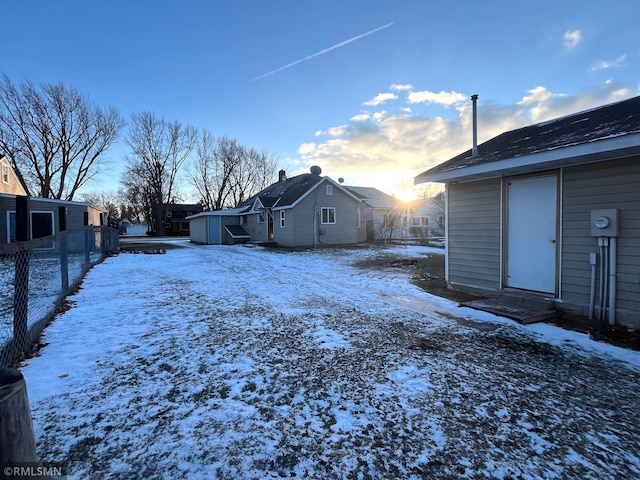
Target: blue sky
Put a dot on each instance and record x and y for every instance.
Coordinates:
(371, 91)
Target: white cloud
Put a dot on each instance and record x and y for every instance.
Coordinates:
(390, 148)
(442, 98)
(572, 38)
(400, 88)
(307, 148)
(381, 98)
(360, 117)
(606, 64)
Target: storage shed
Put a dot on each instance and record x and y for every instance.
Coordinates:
(218, 227)
(551, 210)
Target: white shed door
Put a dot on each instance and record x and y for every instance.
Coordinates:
(532, 233)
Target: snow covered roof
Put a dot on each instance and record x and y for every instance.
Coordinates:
(598, 134)
(375, 198)
(289, 191)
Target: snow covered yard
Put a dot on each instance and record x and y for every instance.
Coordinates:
(246, 363)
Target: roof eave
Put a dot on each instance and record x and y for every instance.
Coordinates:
(597, 151)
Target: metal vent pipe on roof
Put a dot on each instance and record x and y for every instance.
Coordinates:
(474, 150)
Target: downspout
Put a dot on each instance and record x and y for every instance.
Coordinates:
(446, 232)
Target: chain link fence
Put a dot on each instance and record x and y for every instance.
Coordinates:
(35, 278)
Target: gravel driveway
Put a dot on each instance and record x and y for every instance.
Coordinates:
(236, 362)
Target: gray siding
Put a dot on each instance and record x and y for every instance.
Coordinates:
(299, 229)
(284, 236)
(198, 229)
(259, 232)
(610, 185)
(474, 234)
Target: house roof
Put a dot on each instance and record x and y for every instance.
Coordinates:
(289, 191)
(603, 133)
(375, 198)
(218, 213)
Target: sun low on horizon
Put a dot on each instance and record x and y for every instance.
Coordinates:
(406, 195)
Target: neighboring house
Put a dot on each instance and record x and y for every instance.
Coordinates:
(9, 181)
(174, 217)
(307, 210)
(379, 208)
(44, 218)
(426, 218)
(527, 212)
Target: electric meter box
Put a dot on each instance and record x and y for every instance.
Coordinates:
(604, 222)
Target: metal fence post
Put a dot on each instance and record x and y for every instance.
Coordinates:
(64, 253)
(21, 283)
(87, 241)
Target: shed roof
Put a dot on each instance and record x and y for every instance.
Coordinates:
(602, 133)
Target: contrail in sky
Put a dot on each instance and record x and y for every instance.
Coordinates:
(322, 52)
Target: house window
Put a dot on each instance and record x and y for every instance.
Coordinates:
(329, 189)
(415, 221)
(184, 226)
(243, 220)
(5, 174)
(328, 215)
(441, 221)
(282, 218)
(41, 224)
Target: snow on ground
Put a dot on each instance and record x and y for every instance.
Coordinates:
(245, 363)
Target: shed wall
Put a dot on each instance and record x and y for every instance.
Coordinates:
(585, 188)
(474, 234)
(198, 229)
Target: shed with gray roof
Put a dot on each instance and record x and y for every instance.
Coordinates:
(551, 210)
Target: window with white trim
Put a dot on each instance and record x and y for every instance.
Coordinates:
(329, 189)
(282, 214)
(5, 173)
(328, 215)
(42, 225)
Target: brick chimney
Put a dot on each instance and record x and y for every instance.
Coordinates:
(282, 176)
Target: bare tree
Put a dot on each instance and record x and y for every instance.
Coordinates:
(54, 136)
(429, 190)
(225, 173)
(158, 150)
(254, 173)
(106, 200)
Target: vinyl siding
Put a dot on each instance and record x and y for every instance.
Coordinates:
(299, 226)
(259, 232)
(198, 229)
(13, 185)
(474, 234)
(75, 212)
(610, 185)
